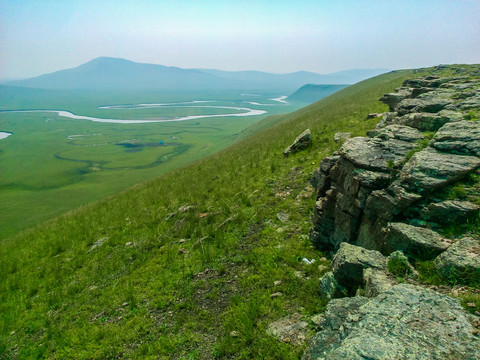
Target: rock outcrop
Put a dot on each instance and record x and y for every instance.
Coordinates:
(373, 181)
(403, 322)
(376, 197)
(462, 259)
(349, 263)
(414, 241)
(449, 211)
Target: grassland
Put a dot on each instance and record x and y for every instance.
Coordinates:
(137, 276)
(53, 164)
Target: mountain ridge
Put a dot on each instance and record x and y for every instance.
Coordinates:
(107, 73)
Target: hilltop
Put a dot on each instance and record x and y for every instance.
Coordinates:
(105, 73)
(311, 93)
(199, 263)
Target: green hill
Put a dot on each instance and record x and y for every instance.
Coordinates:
(311, 93)
(194, 264)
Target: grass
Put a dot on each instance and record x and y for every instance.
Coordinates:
(76, 170)
(179, 288)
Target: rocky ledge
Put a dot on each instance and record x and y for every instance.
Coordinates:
(378, 208)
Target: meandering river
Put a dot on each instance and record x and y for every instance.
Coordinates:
(68, 114)
(4, 135)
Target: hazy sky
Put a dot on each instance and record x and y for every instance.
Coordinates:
(40, 36)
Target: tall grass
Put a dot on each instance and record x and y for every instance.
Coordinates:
(194, 284)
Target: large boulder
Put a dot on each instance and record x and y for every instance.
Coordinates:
(414, 241)
(399, 132)
(431, 102)
(461, 262)
(301, 142)
(429, 169)
(450, 211)
(375, 153)
(393, 99)
(403, 322)
(461, 137)
(472, 103)
(350, 261)
(430, 82)
(428, 121)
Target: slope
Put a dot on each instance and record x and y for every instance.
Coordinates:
(311, 93)
(194, 264)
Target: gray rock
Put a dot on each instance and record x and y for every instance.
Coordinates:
(376, 282)
(374, 115)
(283, 217)
(381, 207)
(461, 262)
(317, 319)
(431, 102)
(393, 99)
(429, 82)
(301, 142)
(472, 103)
(341, 136)
(414, 241)
(350, 261)
(399, 132)
(329, 287)
(461, 137)
(450, 211)
(429, 169)
(428, 121)
(321, 178)
(404, 322)
(388, 118)
(375, 154)
(290, 329)
(372, 179)
(342, 193)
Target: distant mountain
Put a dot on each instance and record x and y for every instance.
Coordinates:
(296, 79)
(119, 74)
(106, 73)
(351, 76)
(311, 93)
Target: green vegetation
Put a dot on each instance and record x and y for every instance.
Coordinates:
(398, 267)
(183, 266)
(472, 115)
(52, 164)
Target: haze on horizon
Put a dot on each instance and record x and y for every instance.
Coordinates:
(38, 37)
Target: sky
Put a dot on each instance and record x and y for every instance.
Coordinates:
(281, 36)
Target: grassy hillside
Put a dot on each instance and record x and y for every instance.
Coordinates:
(311, 93)
(134, 276)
